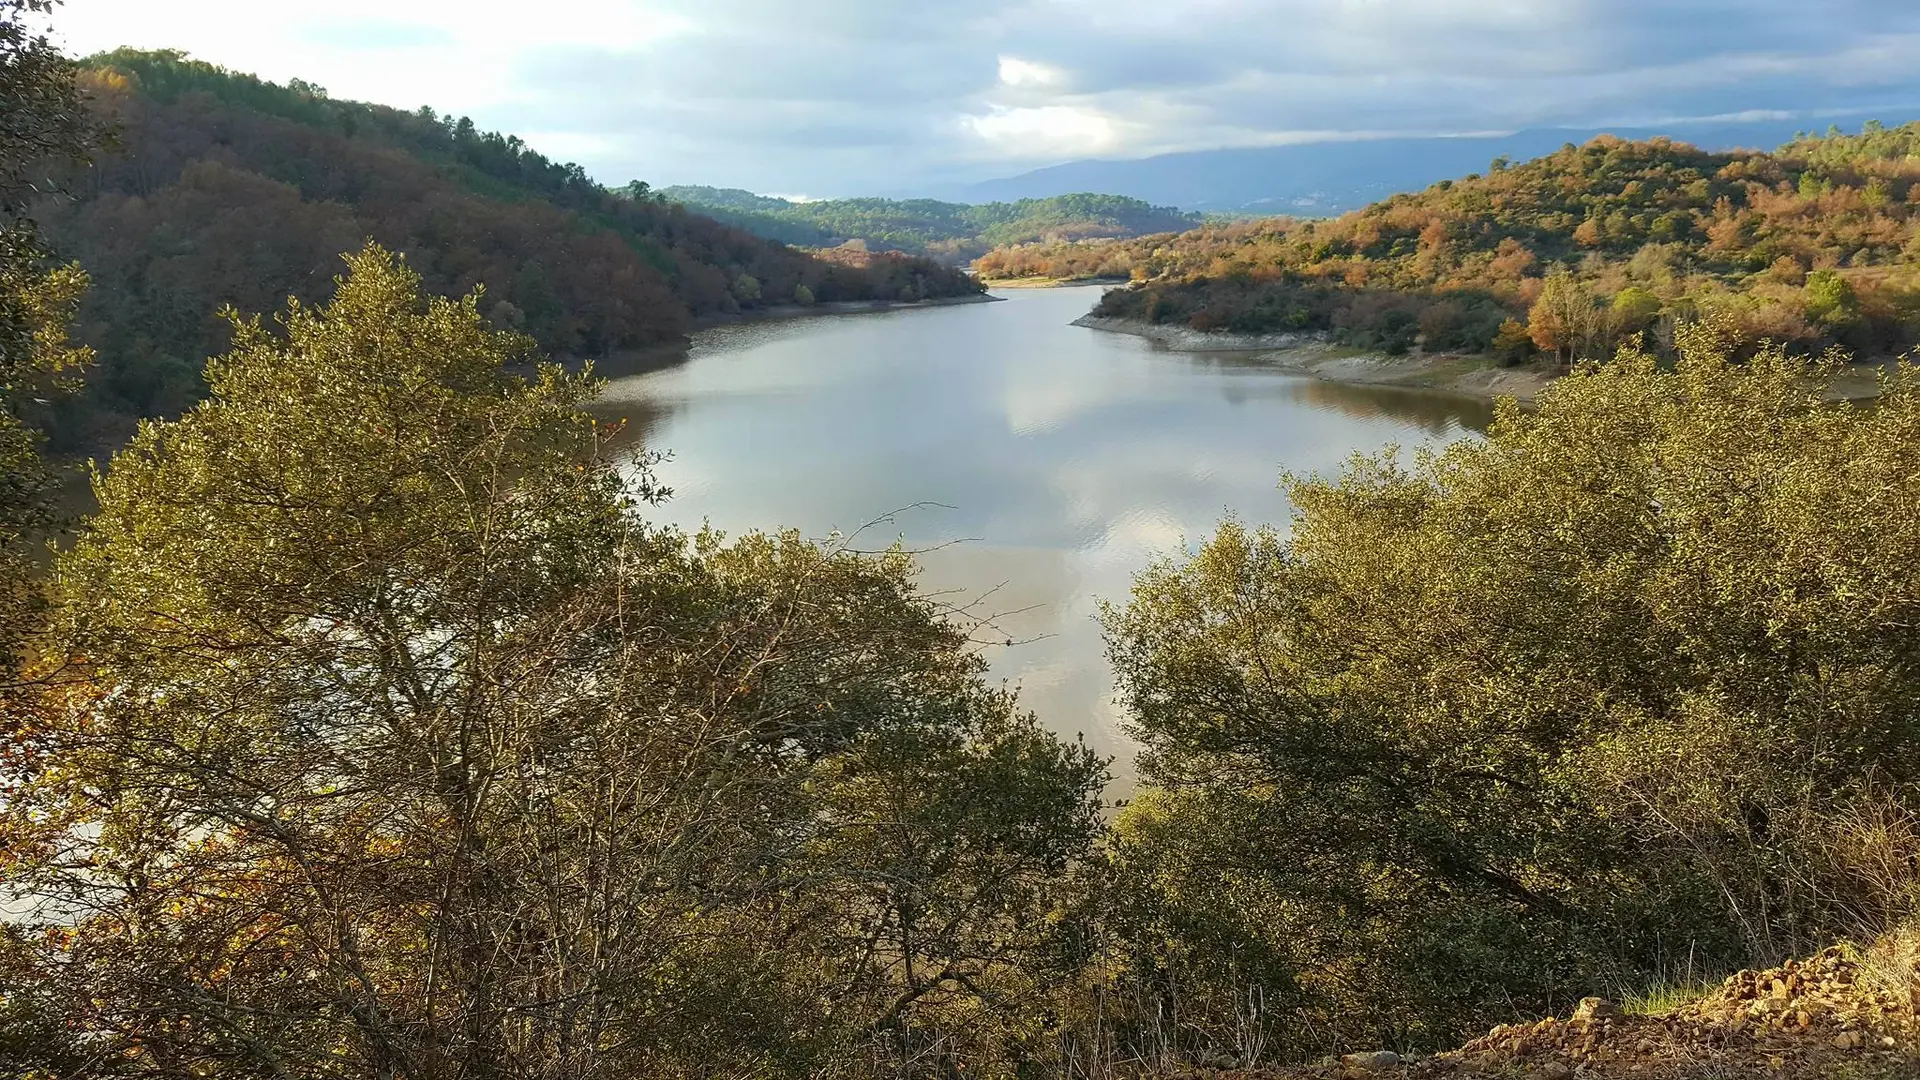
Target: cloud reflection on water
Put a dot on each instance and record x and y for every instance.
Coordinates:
(1037, 464)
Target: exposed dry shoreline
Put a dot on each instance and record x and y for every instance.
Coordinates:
(1314, 354)
(1050, 283)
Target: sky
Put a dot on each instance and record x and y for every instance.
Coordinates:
(828, 98)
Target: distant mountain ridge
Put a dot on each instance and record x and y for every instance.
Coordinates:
(1327, 178)
(953, 232)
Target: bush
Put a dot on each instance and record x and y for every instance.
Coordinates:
(1540, 715)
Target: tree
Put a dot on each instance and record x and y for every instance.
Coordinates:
(1512, 344)
(746, 288)
(1567, 321)
(1537, 714)
(1831, 300)
(1635, 309)
(43, 121)
(400, 745)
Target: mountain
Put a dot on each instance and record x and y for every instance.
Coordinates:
(953, 232)
(1323, 178)
(1571, 254)
(226, 189)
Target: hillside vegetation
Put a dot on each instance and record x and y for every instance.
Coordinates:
(373, 726)
(1570, 254)
(952, 232)
(226, 189)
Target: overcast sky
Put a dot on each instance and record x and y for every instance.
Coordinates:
(840, 97)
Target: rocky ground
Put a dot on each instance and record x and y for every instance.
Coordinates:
(1313, 354)
(1842, 1015)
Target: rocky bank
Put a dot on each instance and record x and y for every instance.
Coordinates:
(1315, 354)
(1844, 1014)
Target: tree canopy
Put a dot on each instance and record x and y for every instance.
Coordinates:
(1579, 702)
(395, 742)
(231, 190)
(42, 123)
(1759, 240)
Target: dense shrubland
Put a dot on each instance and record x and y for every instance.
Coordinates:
(369, 728)
(228, 190)
(1604, 696)
(1808, 246)
(952, 232)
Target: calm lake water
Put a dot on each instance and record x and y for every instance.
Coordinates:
(1038, 464)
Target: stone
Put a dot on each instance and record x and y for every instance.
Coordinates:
(1597, 1008)
(1371, 1061)
(1556, 1070)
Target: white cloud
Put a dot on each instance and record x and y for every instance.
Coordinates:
(1046, 131)
(850, 96)
(1025, 73)
(459, 55)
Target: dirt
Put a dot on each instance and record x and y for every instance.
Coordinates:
(1472, 376)
(1050, 283)
(1314, 354)
(1835, 1016)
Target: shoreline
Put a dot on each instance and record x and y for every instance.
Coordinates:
(1315, 355)
(836, 307)
(667, 353)
(1051, 283)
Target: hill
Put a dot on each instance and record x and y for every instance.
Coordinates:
(1811, 245)
(952, 232)
(1323, 178)
(230, 190)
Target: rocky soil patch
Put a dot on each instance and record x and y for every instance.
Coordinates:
(1831, 1017)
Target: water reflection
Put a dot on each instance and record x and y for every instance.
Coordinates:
(1037, 464)
(1435, 413)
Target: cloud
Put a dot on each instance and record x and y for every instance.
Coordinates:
(851, 96)
(1016, 72)
(377, 34)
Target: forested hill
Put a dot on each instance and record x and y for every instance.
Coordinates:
(1812, 244)
(953, 232)
(230, 190)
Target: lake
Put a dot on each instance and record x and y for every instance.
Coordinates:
(1037, 464)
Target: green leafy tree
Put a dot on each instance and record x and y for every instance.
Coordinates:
(398, 744)
(746, 289)
(44, 122)
(1831, 300)
(1635, 309)
(1538, 715)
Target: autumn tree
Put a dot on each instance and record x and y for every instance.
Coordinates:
(1568, 321)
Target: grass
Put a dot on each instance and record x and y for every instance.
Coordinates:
(1659, 999)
